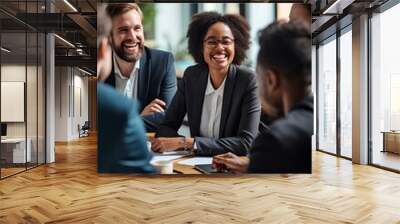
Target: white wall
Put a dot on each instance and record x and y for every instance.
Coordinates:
(61, 103)
(15, 73)
(71, 93)
(13, 101)
(33, 126)
(80, 84)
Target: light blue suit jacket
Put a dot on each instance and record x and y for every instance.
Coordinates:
(121, 142)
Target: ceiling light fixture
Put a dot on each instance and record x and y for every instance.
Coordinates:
(70, 5)
(65, 41)
(84, 71)
(5, 49)
(337, 7)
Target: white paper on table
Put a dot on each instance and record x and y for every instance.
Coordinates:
(183, 153)
(165, 158)
(172, 153)
(196, 161)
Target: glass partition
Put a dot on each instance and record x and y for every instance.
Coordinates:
(327, 96)
(385, 89)
(31, 98)
(22, 88)
(14, 153)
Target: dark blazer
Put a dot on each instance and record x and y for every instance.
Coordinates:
(239, 117)
(121, 141)
(286, 146)
(157, 79)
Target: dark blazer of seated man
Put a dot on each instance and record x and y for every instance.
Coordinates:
(286, 146)
(141, 73)
(284, 72)
(156, 80)
(219, 98)
(121, 138)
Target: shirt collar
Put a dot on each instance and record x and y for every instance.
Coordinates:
(118, 72)
(210, 88)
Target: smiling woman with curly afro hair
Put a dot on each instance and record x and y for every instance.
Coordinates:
(219, 97)
(203, 21)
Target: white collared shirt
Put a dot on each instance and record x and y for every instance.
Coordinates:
(127, 86)
(212, 109)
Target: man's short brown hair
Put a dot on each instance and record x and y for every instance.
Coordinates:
(117, 9)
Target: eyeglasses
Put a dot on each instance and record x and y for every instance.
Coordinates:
(212, 43)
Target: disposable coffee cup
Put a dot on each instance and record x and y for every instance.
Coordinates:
(149, 145)
(164, 166)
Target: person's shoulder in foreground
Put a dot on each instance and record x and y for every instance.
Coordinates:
(286, 149)
(122, 146)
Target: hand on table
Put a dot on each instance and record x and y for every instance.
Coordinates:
(155, 106)
(170, 144)
(231, 162)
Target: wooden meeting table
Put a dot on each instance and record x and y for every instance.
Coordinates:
(179, 168)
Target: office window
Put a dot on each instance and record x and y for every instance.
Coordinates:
(346, 94)
(327, 96)
(385, 88)
(314, 91)
(283, 11)
(217, 7)
(232, 8)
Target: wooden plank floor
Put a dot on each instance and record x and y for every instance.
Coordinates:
(70, 191)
